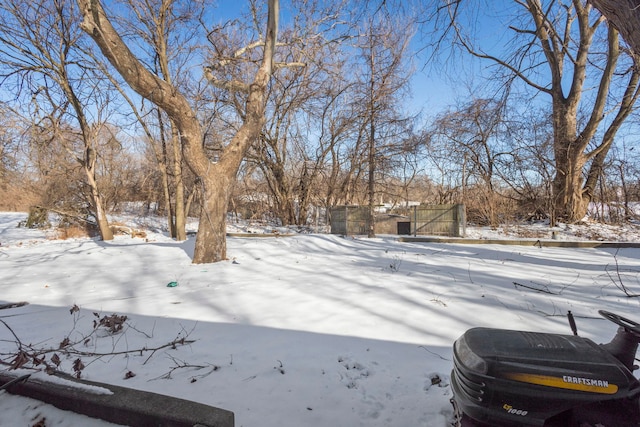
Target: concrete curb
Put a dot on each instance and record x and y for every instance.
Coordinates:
(515, 242)
(119, 405)
(260, 235)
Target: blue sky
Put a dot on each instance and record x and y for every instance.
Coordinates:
(430, 89)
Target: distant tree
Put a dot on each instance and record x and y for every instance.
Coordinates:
(555, 57)
(8, 144)
(530, 170)
(119, 168)
(15, 189)
(384, 77)
(289, 154)
(474, 135)
(41, 55)
(338, 147)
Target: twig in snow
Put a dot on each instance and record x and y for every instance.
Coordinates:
(173, 344)
(33, 356)
(542, 289)
(435, 354)
(148, 335)
(619, 283)
(12, 333)
(181, 364)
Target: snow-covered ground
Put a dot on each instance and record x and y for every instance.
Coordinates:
(310, 330)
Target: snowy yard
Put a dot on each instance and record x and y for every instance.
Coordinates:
(311, 330)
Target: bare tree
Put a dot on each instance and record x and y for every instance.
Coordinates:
(8, 144)
(473, 135)
(280, 155)
(41, 52)
(166, 34)
(286, 157)
(624, 15)
(215, 177)
(164, 158)
(17, 185)
(584, 126)
(161, 22)
(332, 160)
(530, 171)
(383, 48)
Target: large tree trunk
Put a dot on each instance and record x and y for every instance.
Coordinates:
(569, 160)
(211, 240)
(571, 144)
(570, 201)
(217, 187)
(284, 202)
(574, 185)
(216, 178)
(624, 15)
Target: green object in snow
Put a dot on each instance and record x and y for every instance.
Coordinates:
(172, 284)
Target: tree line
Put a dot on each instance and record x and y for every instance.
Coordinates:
(284, 111)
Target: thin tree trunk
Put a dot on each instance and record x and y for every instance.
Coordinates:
(180, 216)
(162, 159)
(371, 184)
(98, 205)
(372, 143)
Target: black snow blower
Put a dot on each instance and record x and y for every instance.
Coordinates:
(504, 378)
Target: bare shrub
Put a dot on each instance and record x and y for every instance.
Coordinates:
(73, 232)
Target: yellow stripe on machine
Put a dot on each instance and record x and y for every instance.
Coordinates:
(566, 382)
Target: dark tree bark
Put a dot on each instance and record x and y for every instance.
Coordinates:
(624, 15)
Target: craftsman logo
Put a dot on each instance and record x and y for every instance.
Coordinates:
(567, 382)
(586, 381)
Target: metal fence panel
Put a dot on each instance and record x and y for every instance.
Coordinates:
(439, 220)
(350, 220)
(433, 220)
